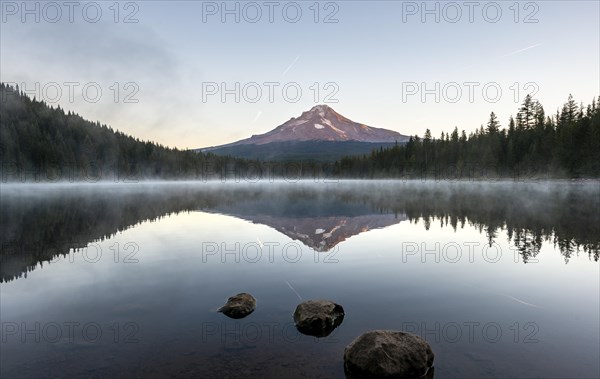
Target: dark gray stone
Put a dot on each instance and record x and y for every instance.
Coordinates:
(318, 317)
(388, 354)
(239, 306)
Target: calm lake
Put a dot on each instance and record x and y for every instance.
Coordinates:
(100, 280)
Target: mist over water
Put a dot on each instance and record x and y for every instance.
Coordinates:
(490, 273)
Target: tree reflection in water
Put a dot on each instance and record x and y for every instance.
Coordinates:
(40, 223)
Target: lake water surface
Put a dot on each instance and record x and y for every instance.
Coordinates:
(102, 280)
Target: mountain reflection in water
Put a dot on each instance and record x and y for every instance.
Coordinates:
(39, 223)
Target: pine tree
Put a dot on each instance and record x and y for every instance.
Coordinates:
(527, 112)
(493, 126)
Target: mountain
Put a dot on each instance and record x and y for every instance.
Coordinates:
(322, 123)
(320, 133)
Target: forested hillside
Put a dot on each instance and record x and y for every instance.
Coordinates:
(534, 144)
(42, 143)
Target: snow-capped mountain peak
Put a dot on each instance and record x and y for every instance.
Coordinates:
(322, 123)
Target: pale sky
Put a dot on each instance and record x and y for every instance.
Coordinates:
(371, 61)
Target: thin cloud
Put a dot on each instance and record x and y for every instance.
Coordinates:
(290, 66)
(522, 50)
(257, 116)
(292, 288)
(521, 301)
(506, 55)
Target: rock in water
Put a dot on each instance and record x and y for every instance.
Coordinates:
(239, 306)
(318, 317)
(388, 354)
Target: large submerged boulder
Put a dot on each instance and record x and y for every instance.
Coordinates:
(388, 354)
(239, 306)
(318, 317)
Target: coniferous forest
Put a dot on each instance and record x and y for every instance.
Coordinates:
(41, 143)
(533, 144)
